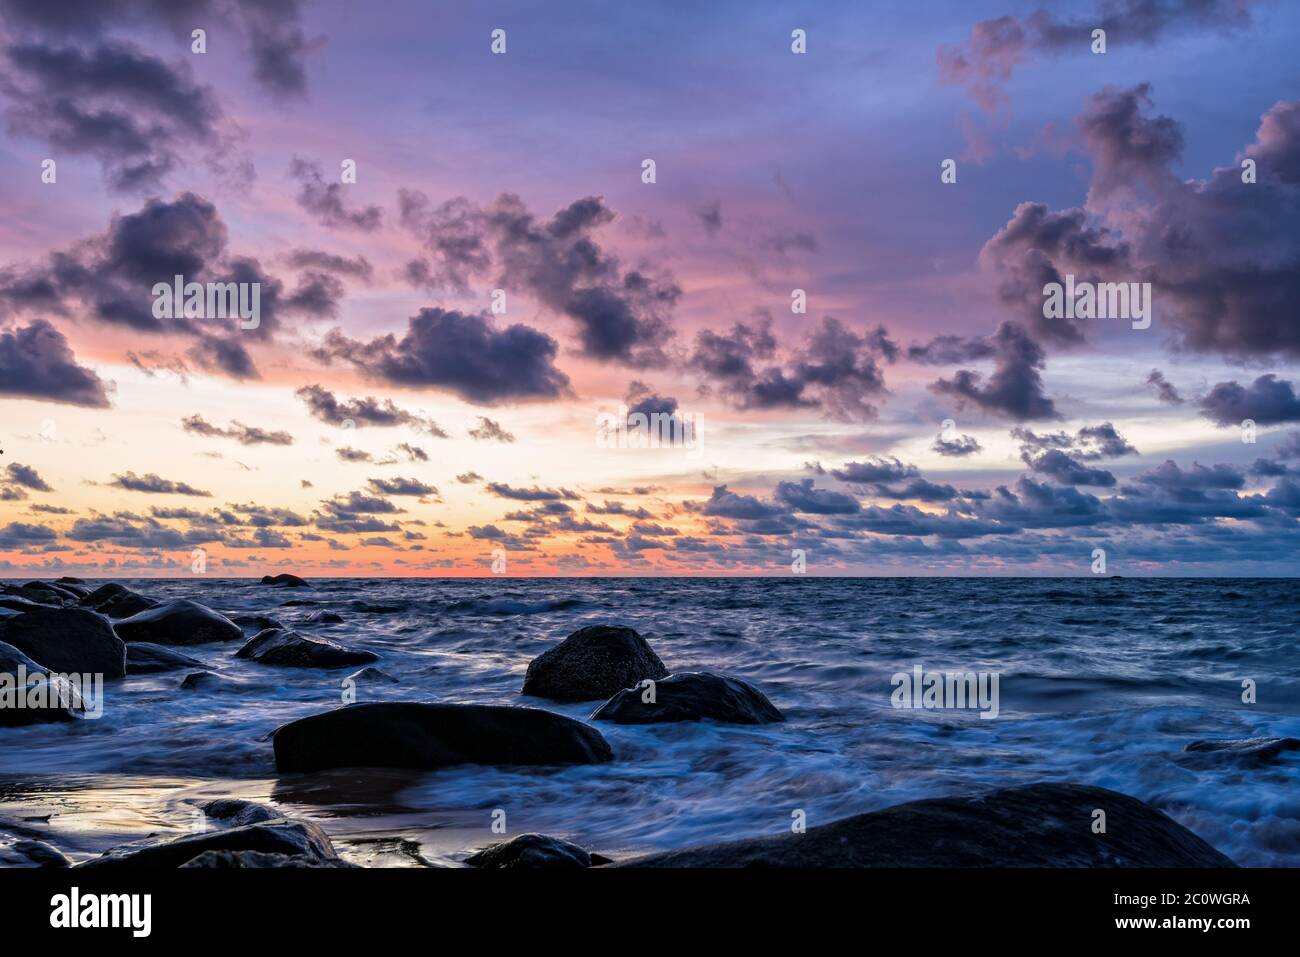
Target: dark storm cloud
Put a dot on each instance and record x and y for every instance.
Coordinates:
(363, 411)
(835, 370)
(534, 494)
(1037, 247)
(128, 109)
(1222, 255)
(110, 278)
(26, 476)
(801, 496)
(401, 486)
(154, 484)
(724, 503)
(955, 447)
(490, 431)
(622, 315)
(874, 470)
(461, 353)
(1267, 401)
(1015, 389)
(1068, 470)
(1164, 388)
(37, 363)
(995, 48)
(321, 261)
(325, 200)
(949, 350)
(243, 434)
(272, 29)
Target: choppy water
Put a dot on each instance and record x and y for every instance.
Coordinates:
(1102, 681)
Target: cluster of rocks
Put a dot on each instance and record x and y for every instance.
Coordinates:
(64, 626)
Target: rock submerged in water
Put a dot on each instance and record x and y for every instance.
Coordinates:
(429, 736)
(691, 696)
(143, 658)
(28, 853)
(285, 581)
(66, 640)
(264, 831)
(12, 716)
(535, 852)
(260, 860)
(180, 622)
(279, 646)
(594, 662)
(1038, 825)
(374, 674)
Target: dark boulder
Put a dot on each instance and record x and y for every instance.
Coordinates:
(429, 736)
(1242, 752)
(117, 601)
(143, 658)
(324, 618)
(256, 623)
(277, 646)
(27, 853)
(41, 593)
(18, 603)
(690, 696)
(67, 640)
(236, 812)
(535, 852)
(181, 622)
(593, 662)
(285, 581)
(260, 860)
(69, 580)
(12, 716)
(275, 835)
(1038, 825)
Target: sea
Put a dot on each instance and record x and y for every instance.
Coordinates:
(1101, 681)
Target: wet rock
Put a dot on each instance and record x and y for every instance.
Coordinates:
(280, 836)
(690, 696)
(277, 646)
(284, 581)
(12, 716)
(1244, 752)
(324, 618)
(181, 622)
(41, 593)
(236, 812)
(256, 622)
(428, 736)
(204, 681)
(143, 658)
(535, 852)
(18, 603)
(117, 601)
(593, 662)
(27, 853)
(67, 640)
(261, 860)
(1038, 825)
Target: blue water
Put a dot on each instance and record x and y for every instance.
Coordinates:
(1102, 681)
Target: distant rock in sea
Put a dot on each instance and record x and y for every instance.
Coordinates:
(284, 580)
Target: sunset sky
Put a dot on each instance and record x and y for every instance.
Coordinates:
(382, 420)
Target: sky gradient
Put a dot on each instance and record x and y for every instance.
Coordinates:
(921, 417)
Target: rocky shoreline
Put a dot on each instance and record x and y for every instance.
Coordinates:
(66, 627)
